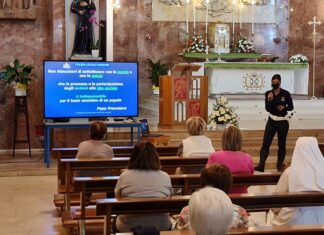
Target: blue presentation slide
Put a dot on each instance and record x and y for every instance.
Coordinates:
(90, 89)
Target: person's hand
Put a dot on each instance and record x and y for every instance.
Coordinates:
(270, 96)
(81, 12)
(281, 107)
(83, 4)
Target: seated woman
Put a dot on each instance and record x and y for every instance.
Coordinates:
(220, 177)
(95, 147)
(305, 174)
(231, 156)
(211, 211)
(143, 179)
(196, 145)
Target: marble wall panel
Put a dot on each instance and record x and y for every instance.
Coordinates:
(137, 38)
(301, 38)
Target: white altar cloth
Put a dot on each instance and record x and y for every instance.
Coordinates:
(255, 77)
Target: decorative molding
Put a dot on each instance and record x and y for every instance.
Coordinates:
(218, 11)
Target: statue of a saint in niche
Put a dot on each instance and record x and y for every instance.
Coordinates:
(83, 38)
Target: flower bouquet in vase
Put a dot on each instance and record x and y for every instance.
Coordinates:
(197, 44)
(222, 114)
(299, 58)
(243, 46)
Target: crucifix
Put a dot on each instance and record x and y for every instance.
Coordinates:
(314, 23)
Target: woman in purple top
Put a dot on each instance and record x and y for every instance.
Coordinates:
(231, 156)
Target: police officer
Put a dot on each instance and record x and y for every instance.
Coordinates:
(277, 102)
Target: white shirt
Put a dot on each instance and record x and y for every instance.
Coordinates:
(197, 146)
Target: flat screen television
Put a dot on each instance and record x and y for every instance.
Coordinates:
(89, 89)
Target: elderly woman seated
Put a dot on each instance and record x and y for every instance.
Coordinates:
(196, 145)
(216, 176)
(211, 211)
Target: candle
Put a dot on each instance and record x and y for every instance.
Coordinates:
(233, 16)
(207, 1)
(194, 16)
(240, 6)
(187, 18)
(275, 11)
(253, 17)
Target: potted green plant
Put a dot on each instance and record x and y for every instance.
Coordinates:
(156, 69)
(95, 48)
(19, 75)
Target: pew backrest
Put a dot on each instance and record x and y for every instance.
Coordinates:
(109, 206)
(74, 164)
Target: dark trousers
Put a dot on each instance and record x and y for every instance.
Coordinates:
(273, 127)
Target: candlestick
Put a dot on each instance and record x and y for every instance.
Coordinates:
(314, 23)
(194, 15)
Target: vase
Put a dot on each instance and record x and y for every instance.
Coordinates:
(156, 90)
(221, 127)
(20, 89)
(95, 53)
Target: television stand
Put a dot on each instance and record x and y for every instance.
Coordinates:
(129, 119)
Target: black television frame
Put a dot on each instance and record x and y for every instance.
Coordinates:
(94, 116)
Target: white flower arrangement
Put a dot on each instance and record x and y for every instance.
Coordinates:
(197, 44)
(222, 113)
(299, 58)
(244, 46)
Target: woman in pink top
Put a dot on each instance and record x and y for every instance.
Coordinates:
(231, 156)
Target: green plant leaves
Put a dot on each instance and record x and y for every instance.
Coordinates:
(156, 69)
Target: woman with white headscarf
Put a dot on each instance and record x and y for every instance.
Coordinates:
(306, 173)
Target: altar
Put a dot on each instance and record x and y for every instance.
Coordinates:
(255, 77)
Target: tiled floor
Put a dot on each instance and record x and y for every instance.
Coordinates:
(27, 206)
(26, 197)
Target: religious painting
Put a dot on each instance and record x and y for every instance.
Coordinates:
(180, 88)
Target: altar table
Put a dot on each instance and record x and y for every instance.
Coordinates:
(255, 77)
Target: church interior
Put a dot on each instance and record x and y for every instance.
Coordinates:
(211, 59)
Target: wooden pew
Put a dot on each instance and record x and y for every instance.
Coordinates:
(258, 230)
(74, 164)
(119, 151)
(186, 182)
(300, 229)
(110, 206)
